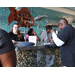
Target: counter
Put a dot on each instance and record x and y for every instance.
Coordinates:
(27, 56)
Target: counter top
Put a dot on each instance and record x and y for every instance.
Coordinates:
(28, 56)
(38, 46)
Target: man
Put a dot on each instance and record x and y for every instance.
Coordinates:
(66, 41)
(45, 38)
(7, 50)
(46, 35)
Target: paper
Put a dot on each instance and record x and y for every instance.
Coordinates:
(32, 39)
(46, 43)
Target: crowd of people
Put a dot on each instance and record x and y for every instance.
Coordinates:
(16, 35)
(65, 40)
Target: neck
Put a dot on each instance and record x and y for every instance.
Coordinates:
(14, 32)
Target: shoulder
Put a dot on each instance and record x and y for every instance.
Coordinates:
(70, 27)
(10, 32)
(44, 32)
(65, 33)
(67, 27)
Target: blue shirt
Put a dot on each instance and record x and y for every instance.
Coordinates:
(67, 51)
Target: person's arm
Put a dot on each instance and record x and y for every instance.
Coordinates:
(63, 37)
(8, 59)
(37, 38)
(42, 38)
(14, 41)
(10, 35)
(57, 41)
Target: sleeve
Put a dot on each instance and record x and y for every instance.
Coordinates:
(64, 34)
(6, 44)
(57, 41)
(62, 37)
(41, 38)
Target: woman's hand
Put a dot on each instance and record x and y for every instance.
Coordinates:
(13, 41)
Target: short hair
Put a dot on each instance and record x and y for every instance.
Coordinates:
(65, 20)
(48, 27)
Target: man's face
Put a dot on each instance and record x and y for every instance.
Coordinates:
(48, 30)
(60, 25)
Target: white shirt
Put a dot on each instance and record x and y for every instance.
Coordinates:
(56, 40)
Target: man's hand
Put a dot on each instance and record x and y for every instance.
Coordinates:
(52, 31)
(51, 41)
(13, 41)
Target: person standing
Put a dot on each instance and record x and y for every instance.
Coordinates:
(7, 50)
(45, 38)
(66, 41)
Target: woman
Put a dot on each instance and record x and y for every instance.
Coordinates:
(31, 33)
(15, 34)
